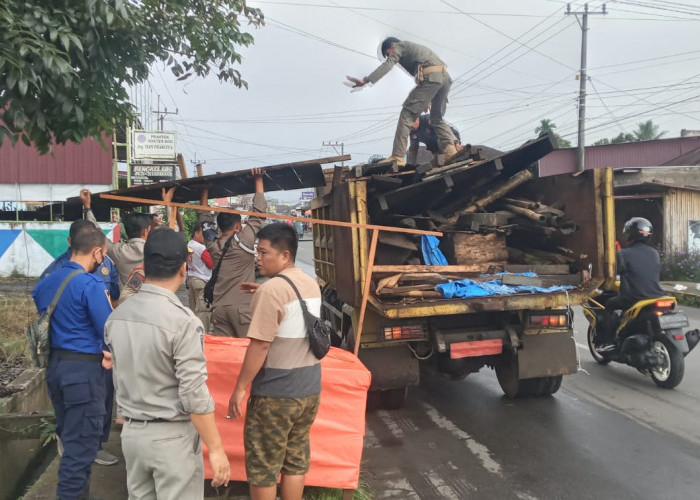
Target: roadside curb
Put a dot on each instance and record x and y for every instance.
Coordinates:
(688, 297)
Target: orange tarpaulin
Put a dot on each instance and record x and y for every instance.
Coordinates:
(338, 431)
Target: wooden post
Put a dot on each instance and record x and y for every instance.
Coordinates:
(181, 164)
(200, 170)
(365, 292)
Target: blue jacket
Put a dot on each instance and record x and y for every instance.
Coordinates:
(107, 272)
(78, 322)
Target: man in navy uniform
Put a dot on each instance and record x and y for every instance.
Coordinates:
(75, 373)
(107, 272)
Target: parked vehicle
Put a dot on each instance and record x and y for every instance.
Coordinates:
(527, 337)
(649, 337)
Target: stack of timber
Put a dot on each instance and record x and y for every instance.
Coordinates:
(491, 219)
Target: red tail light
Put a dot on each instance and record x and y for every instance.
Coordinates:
(665, 304)
(403, 332)
(548, 320)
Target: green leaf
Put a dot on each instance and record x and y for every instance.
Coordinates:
(110, 17)
(11, 80)
(79, 114)
(53, 33)
(65, 41)
(22, 86)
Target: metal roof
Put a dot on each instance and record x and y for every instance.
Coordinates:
(623, 155)
(86, 163)
(282, 177)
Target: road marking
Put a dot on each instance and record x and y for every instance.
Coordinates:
(371, 440)
(393, 427)
(399, 488)
(440, 486)
(480, 451)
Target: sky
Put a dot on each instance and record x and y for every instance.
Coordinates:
(513, 62)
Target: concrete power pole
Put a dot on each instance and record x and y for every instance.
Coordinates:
(335, 145)
(161, 114)
(583, 23)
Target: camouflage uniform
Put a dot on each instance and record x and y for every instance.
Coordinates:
(433, 90)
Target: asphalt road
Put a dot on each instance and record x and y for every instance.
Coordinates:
(608, 433)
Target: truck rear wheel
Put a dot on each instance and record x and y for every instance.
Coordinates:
(511, 385)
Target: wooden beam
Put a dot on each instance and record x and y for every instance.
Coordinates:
(544, 280)
(145, 201)
(181, 165)
(365, 292)
(475, 268)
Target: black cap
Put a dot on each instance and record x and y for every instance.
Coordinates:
(165, 247)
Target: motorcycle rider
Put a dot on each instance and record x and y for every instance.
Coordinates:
(639, 267)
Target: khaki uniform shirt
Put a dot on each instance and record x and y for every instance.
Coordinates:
(159, 365)
(238, 265)
(409, 55)
(126, 255)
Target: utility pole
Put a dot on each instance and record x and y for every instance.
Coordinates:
(583, 23)
(161, 114)
(335, 145)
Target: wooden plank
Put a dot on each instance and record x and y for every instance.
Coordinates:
(470, 248)
(397, 240)
(538, 269)
(384, 182)
(365, 291)
(472, 268)
(144, 201)
(543, 280)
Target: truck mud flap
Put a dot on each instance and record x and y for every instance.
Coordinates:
(547, 355)
(391, 367)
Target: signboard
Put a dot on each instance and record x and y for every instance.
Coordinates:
(148, 174)
(694, 235)
(154, 145)
(308, 195)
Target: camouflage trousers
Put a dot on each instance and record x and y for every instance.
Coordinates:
(276, 437)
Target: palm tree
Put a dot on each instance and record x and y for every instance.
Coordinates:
(545, 126)
(647, 131)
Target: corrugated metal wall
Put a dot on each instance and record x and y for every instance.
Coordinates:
(680, 206)
(86, 163)
(625, 155)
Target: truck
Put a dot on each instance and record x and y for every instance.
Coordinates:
(527, 338)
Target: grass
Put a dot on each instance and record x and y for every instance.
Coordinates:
(16, 312)
(363, 492)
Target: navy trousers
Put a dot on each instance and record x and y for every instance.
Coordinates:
(109, 402)
(77, 391)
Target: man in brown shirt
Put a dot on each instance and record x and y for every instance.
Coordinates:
(231, 307)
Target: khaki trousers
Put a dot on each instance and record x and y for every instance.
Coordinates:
(163, 461)
(433, 90)
(231, 321)
(195, 287)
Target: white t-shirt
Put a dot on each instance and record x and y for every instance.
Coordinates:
(196, 267)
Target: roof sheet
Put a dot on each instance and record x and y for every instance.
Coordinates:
(282, 177)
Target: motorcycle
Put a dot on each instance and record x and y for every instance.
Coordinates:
(648, 336)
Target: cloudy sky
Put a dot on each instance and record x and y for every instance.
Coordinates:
(513, 63)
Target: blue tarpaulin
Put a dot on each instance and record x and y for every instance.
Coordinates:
(464, 289)
(432, 255)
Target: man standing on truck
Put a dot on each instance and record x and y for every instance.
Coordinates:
(234, 254)
(432, 87)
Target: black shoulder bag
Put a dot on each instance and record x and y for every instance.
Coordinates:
(318, 330)
(209, 287)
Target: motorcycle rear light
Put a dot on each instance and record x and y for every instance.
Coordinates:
(679, 337)
(548, 320)
(403, 332)
(665, 304)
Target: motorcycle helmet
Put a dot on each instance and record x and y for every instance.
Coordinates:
(637, 229)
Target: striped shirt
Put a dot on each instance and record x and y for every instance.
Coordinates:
(291, 370)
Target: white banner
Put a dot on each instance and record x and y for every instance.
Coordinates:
(154, 145)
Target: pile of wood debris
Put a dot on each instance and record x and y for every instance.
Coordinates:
(491, 222)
